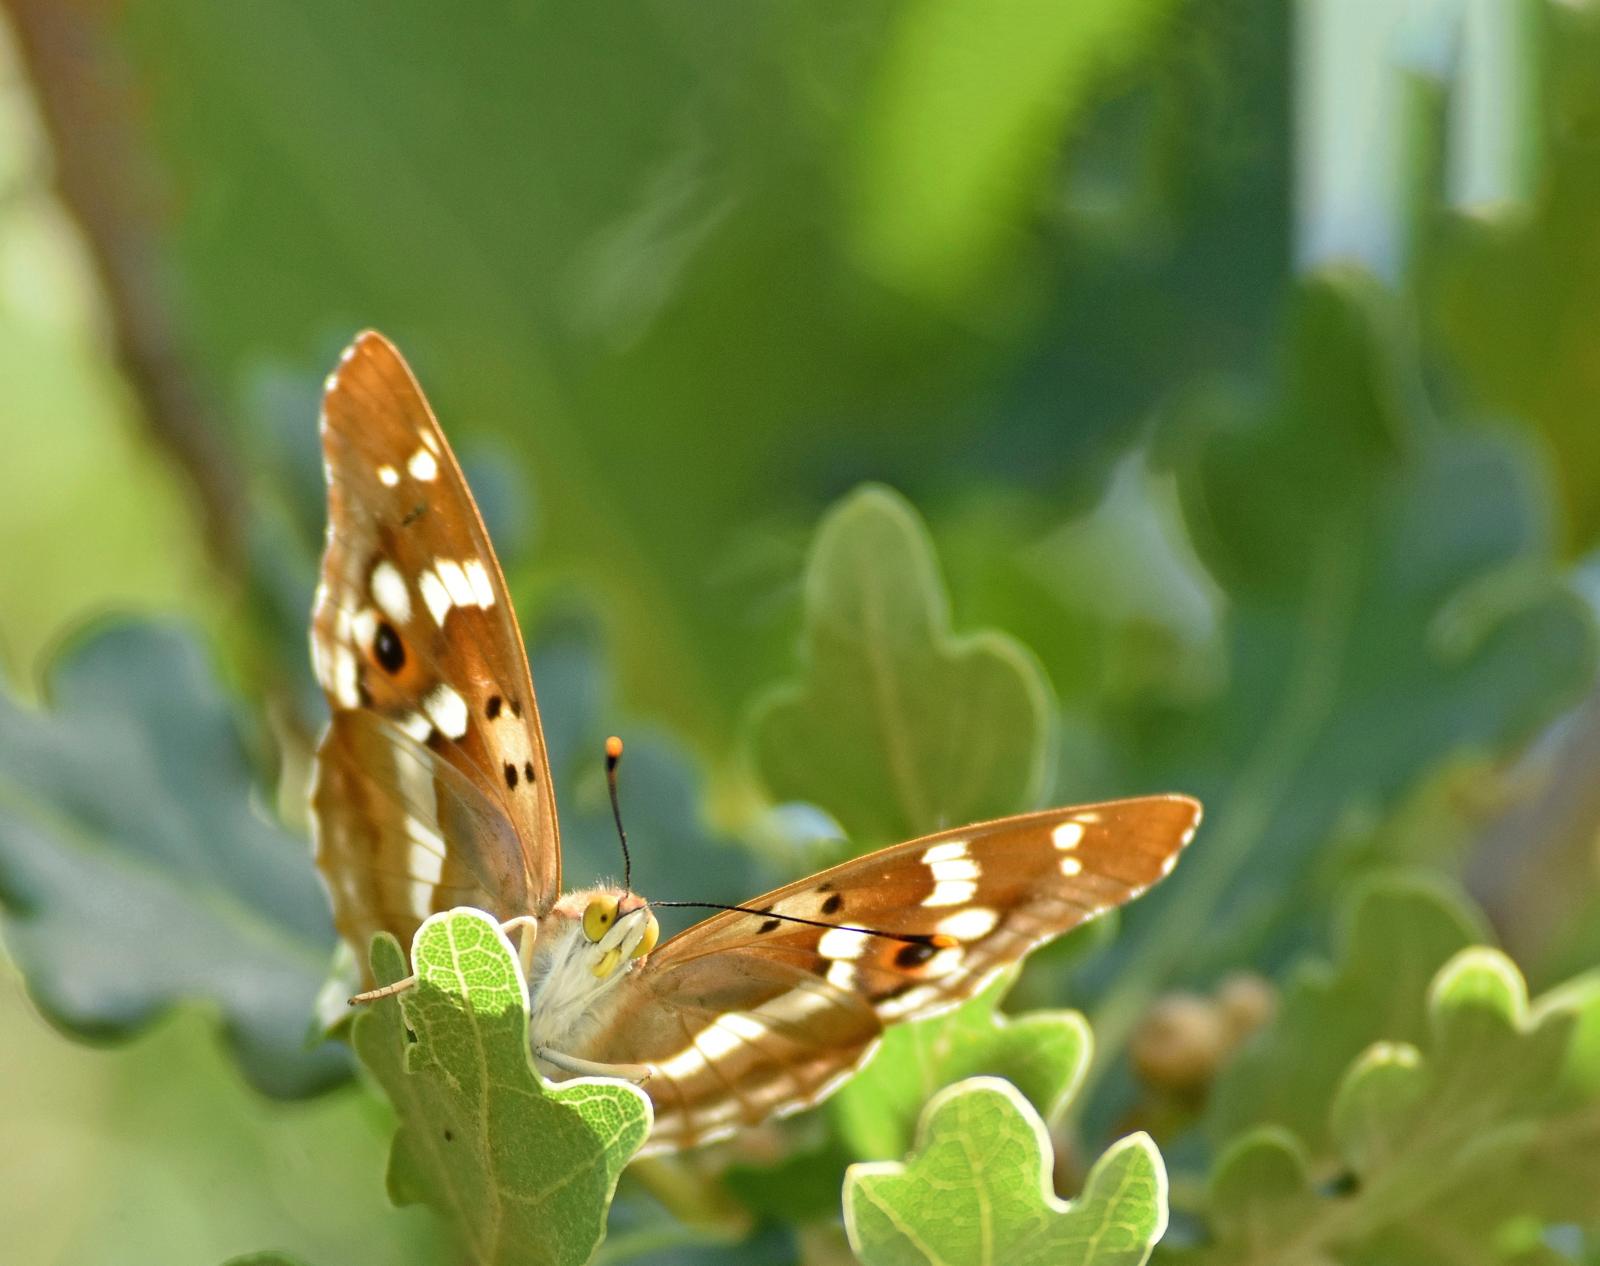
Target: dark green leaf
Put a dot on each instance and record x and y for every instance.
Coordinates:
(139, 868)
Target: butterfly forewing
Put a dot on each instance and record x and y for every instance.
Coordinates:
(745, 1015)
(413, 627)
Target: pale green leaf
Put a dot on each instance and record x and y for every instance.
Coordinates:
(1043, 1054)
(524, 1170)
(897, 727)
(977, 1192)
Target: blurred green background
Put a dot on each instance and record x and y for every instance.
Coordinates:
(1240, 358)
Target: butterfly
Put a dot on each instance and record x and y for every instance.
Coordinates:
(432, 790)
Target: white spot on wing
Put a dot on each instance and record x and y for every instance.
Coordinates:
(1067, 836)
(416, 726)
(744, 1026)
(685, 1063)
(965, 868)
(447, 710)
(949, 851)
(423, 466)
(969, 924)
(842, 976)
(364, 626)
(435, 595)
(389, 588)
(482, 586)
(951, 892)
(943, 963)
(345, 688)
(796, 1006)
(1071, 867)
(455, 581)
(842, 943)
(388, 476)
(906, 1003)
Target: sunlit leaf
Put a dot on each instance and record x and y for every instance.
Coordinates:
(977, 1190)
(525, 1171)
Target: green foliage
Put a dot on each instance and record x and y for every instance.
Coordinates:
(978, 1190)
(1314, 545)
(137, 871)
(1043, 1054)
(1486, 1133)
(1382, 569)
(523, 1171)
(1397, 931)
(899, 728)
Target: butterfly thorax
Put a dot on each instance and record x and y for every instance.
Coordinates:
(587, 945)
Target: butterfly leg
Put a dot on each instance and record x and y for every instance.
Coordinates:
(388, 991)
(528, 925)
(635, 1073)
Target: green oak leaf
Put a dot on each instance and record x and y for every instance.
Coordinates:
(137, 868)
(1485, 1132)
(525, 1171)
(898, 727)
(977, 1191)
(1396, 932)
(1043, 1054)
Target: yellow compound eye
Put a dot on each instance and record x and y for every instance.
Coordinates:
(599, 917)
(652, 934)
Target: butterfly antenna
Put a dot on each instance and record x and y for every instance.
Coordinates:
(936, 939)
(613, 758)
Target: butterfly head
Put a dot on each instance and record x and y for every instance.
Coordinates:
(616, 927)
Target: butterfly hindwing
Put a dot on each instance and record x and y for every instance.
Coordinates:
(746, 1015)
(413, 627)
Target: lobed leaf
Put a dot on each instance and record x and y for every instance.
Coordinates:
(896, 726)
(525, 1171)
(136, 869)
(977, 1191)
(1396, 931)
(1484, 1133)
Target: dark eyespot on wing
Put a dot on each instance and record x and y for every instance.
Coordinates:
(832, 904)
(511, 776)
(527, 770)
(388, 649)
(913, 954)
(492, 708)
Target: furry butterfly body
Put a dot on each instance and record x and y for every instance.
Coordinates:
(433, 790)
